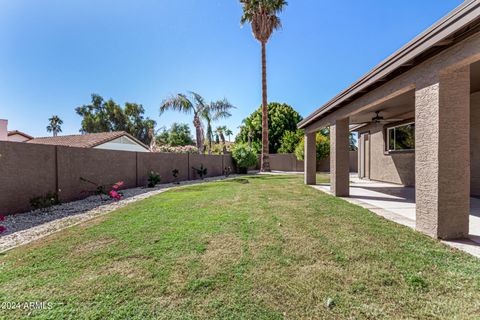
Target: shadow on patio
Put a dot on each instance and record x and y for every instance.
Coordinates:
(397, 203)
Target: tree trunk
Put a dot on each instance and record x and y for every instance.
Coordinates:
(222, 139)
(198, 133)
(209, 137)
(265, 161)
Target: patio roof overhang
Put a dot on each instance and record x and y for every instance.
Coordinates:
(453, 28)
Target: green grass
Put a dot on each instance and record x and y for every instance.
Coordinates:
(265, 247)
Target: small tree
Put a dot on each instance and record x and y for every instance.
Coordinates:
(289, 141)
(281, 118)
(178, 135)
(322, 143)
(244, 157)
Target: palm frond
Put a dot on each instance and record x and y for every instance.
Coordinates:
(262, 15)
(180, 102)
(199, 100)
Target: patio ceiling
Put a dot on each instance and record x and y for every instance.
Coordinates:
(401, 107)
(453, 28)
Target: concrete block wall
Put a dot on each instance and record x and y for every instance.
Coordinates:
(164, 164)
(214, 165)
(289, 162)
(26, 171)
(31, 170)
(103, 167)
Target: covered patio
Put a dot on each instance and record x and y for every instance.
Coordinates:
(418, 118)
(397, 203)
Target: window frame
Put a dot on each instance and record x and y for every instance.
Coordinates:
(387, 136)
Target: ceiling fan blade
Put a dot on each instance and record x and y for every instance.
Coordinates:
(393, 120)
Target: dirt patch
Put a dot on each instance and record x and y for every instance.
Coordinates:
(222, 251)
(95, 245)
(238, 180)
(181, 272)
(128, 268)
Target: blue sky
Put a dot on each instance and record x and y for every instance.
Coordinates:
(55, 53)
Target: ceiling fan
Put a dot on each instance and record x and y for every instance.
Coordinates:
(379, 119)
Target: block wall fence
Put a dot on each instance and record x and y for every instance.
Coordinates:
(289, 162)
(31, 170)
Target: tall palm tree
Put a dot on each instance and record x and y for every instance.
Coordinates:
(55, 125)
(228, 133)
(262, 15)
(195, 103)
(213, 112)
(221, 131)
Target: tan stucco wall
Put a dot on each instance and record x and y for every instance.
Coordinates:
(100, 166)
(396, 167)
(26, 171)
(31, 170)
(289, 162)
(400, 167)
(475, 143)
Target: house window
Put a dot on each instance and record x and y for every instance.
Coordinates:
(401, 138)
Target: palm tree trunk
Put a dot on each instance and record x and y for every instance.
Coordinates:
(222, 139)
(265, 161)
(209, 137)
(198, 133)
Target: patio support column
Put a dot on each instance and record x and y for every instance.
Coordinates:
(339, 158)
(442, 159)
(310, 156)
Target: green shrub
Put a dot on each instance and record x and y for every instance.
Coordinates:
(323, 147)
(202, 171)
(153, 179)
(243, 156)
(46, 201)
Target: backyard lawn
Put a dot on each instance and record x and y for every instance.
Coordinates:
(261, 247)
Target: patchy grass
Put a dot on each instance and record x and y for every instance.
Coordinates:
(262, 247)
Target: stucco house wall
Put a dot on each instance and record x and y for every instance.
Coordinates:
(475, 144)
(394, 167)
(399, 167)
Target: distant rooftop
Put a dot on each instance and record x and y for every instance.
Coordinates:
(89, 140)
(11, 133)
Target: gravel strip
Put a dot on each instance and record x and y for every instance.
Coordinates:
(30, 226)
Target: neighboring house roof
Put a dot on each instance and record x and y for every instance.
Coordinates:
(14, 132)
(456, 26)
(88, 140)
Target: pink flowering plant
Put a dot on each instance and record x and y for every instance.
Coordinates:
(2, 227)
(112, 191)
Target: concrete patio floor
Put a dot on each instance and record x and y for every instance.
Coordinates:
(397, 203)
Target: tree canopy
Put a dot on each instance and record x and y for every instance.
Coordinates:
(322, 140)
(55, 125)
(196, 104)
(179, 134)
(281, 118)
(107, 116)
